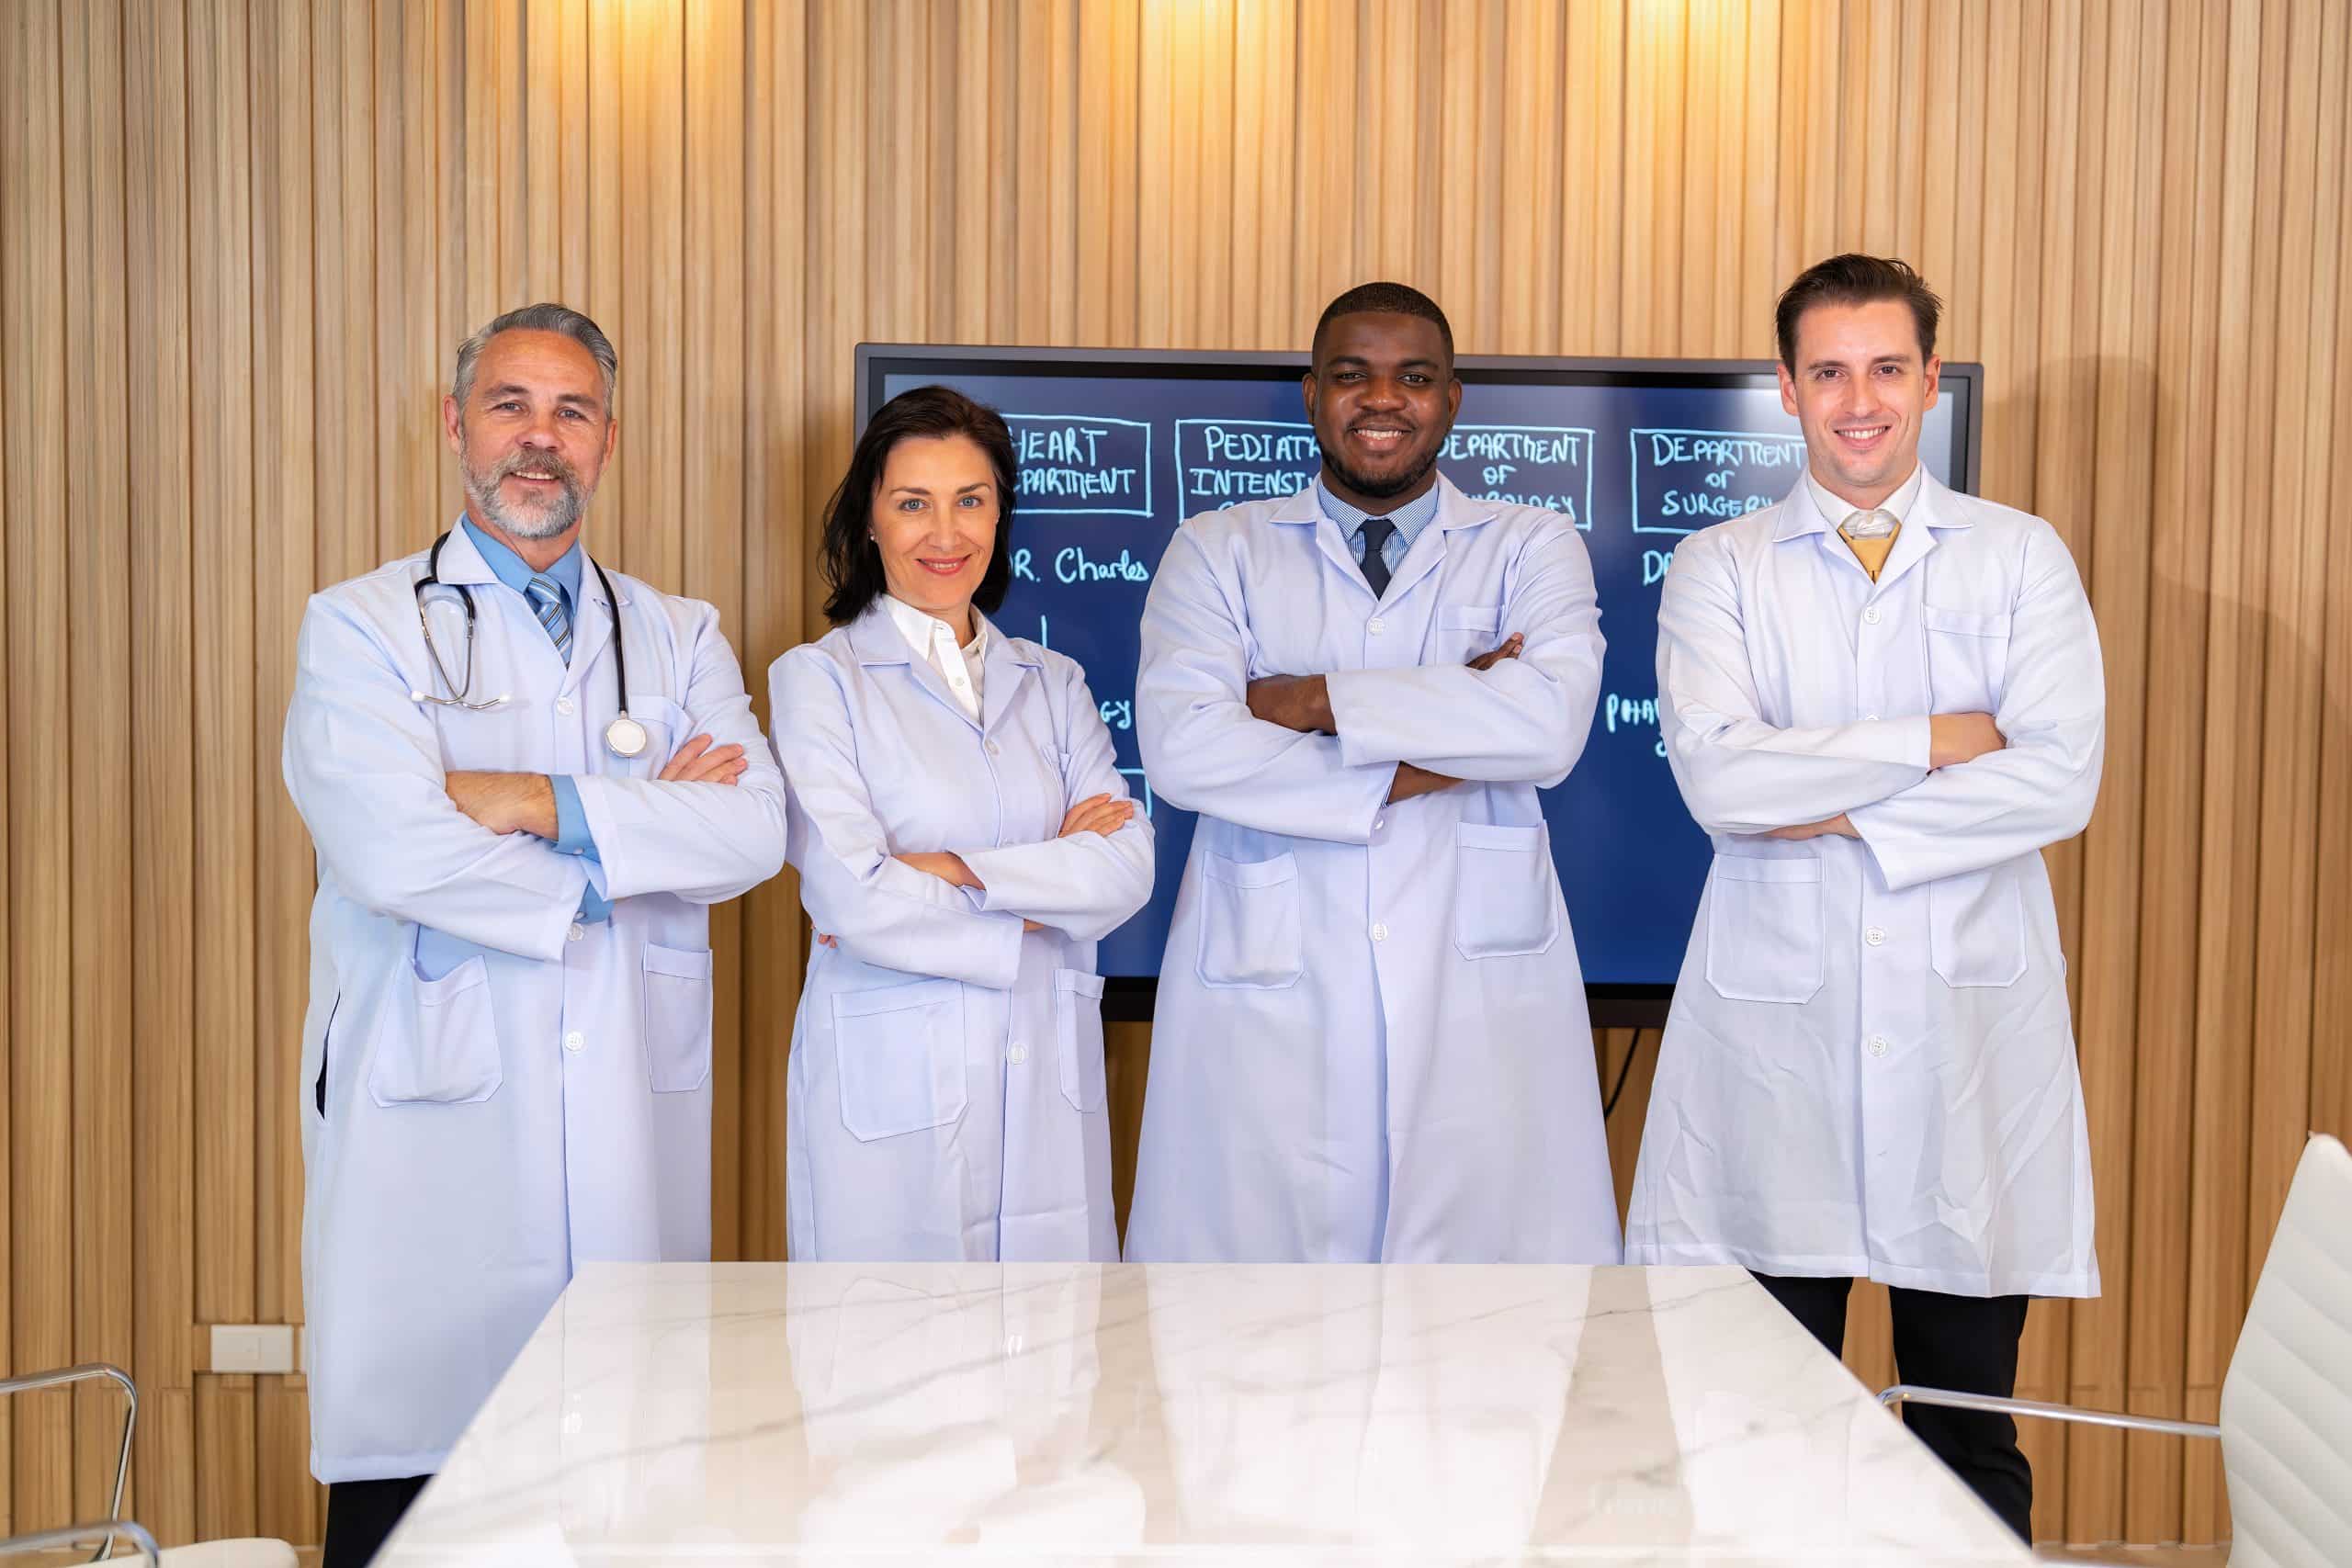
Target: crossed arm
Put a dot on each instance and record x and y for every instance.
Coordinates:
(471, 854)
(1317, 756)
(1930, 796)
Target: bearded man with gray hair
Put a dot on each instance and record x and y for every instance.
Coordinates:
(528, 778)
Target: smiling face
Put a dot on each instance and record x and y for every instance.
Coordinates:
(1382, 396)
(532, 438)
(934, 523)
(1860, 392)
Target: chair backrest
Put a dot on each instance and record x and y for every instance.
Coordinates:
(2287, 1403)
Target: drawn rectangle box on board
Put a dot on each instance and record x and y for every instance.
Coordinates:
(1082, 465)
(1224, 462)
(1683, 468)
(1547, 466)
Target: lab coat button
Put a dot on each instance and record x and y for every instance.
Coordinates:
(1380, 933)
(1017, 1055)
(1875, 936)
(577, 931)
(1870, 616)
(563, 706)
(1877, 1046)
(1378, 823)
(995, 749)
(1375, 626)
(574, 1041)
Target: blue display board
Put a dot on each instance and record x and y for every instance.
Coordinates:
(1118, 447)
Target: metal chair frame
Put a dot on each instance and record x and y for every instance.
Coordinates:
(104, 1532)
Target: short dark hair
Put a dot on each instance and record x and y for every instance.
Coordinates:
(1394, 299)
(852, 567)
(1856, 279)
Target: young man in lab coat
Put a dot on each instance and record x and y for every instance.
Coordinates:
(1370, 1041)
(506, 1061)
(1881, 700)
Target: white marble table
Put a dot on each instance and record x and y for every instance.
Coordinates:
(838, 1413)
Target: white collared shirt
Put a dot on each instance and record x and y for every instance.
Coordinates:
(935, 640)
(1836, 509)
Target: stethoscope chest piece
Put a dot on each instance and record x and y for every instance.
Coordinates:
(625, 738)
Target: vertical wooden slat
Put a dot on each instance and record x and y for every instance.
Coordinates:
(1327, 150)
(163, 824)
(281, 566)
(98, 546)
(606, 48)
(1653, 163)
(1758, 283)
(714, 513)
(774, 485)
(1209, 298)
(2106, 972)
(2172, 790)
(652, 473)
(1698, 203)
(1531, 231)
(2301, 501)
(2233, 737)
(220, 345)
(40, 1001)
(2332, 1001)
(1593, 208)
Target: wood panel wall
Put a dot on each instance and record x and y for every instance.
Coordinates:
(242, 237)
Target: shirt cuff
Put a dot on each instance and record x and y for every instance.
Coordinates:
(571, 834)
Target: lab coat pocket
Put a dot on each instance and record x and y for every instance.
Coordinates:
(1764, 928)
(1465, 631)
(438, 1043)
(678, 1017)
(1968, 658)
(1078, 1034)
(1976, 927)
(1250, 934)
(900, 1054)
(1502, 891)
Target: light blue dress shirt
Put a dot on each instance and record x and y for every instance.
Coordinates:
(572, 836)
(1409, 518)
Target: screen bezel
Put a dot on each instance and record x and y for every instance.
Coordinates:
(1131, 997)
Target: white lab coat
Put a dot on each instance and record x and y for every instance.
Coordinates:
(1869, 1069)
(946, 1094)
(1370, 1041)
(508, 1094)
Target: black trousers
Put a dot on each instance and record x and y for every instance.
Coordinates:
(1968, 1344)
(360, 1513)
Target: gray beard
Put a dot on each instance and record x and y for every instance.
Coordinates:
(537, 522)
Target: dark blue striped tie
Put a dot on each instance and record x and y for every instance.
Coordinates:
(547, 602)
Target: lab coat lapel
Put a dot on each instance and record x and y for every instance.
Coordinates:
(1003, 668)
(592, 627)
(1454, 510)
(878, 643)
(1931, 514)
(1304, 509)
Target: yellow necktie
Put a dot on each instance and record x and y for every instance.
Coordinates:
(1871, 536)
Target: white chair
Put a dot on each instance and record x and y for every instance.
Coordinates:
(257, 1552)
(2286, 1428)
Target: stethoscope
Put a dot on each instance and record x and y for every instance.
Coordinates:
(625, 738)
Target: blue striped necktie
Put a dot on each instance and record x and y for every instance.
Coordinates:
(547, 603)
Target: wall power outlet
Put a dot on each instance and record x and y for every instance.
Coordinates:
(253, 1347)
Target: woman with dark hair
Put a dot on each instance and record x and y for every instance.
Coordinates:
(964, 839)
